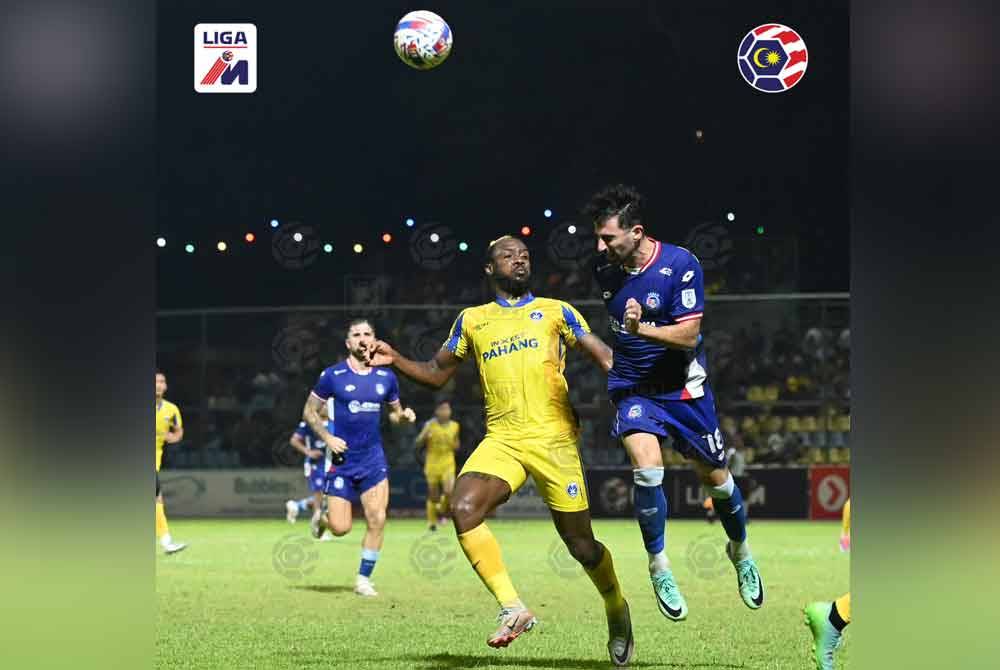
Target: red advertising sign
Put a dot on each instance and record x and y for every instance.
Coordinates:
(829, 489)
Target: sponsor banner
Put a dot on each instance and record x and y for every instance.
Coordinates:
(610, 492)
(259, 492)
(263, 492)
(771, 493)
(526, 503)
(829, 489)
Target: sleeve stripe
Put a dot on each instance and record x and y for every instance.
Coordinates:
(313, 393)
(456, 334)
(573, 323)
(688, 317)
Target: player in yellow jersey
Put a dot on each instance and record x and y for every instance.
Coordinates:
(169, 430)
(519, 343)
(439, 437)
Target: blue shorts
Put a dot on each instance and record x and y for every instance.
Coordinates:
(350, 480)
(316, 477)
(691, 423)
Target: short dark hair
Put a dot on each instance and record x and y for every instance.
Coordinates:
(444, 401)
(357, 321)
(492, 245)
(616, 200)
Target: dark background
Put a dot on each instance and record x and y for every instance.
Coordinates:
(536, 107)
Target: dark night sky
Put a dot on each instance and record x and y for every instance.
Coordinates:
(535, 108)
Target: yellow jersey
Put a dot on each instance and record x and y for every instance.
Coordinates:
(441, 441)
(520, 350)
(167, 414)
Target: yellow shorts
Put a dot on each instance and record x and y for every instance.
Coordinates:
(554, 464)
(439, 473)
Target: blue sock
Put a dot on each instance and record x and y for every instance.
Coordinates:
(368, 558)
(650, 507)
(303, 504)
(728, 502)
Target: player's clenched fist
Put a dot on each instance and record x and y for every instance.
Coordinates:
(409, 415)
(633, 312)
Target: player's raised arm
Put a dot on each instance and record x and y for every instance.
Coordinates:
(435, 372)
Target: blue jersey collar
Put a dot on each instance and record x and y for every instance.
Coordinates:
(525, 299)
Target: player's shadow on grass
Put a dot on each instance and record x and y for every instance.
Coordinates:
(454, 661)
(324, 588)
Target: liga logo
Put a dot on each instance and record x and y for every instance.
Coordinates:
(772, 58)
(225, 58)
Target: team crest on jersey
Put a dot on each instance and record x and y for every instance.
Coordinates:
(653, 300)
(573, 490)
(688, 298)
(536, 315)
(666, 271)
(338, 483)
(350, 387)
(635, 411)
(379, 389)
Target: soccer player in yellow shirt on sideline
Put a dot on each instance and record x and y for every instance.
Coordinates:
(439, 437)
(169, 430)
(519, 343)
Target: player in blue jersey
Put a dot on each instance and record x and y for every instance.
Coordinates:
(658, 384)
(315, 468)
(354, 393)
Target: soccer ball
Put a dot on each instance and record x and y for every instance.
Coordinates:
(422, 40)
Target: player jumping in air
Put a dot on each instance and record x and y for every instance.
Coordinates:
(354, 394)
(316, 466)
(169, 430)
(439, 437)
(519, 343)
(659, 384)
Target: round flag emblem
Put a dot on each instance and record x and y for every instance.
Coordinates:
(772, 58)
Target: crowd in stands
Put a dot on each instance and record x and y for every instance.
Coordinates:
(783, 395)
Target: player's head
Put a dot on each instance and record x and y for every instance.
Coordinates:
(616, 213)
(508, 265)
(359, 337)
(161, 384)
(443, 411)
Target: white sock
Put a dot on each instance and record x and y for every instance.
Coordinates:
(658, 562)
(741, 550)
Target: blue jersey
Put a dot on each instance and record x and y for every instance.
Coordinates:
(312, 442)
(354, 403)
(671, 290)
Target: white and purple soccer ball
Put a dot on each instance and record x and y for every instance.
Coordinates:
(422, 40)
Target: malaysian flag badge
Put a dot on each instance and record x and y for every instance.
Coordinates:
(772, 58)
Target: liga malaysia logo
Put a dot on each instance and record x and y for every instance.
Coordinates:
(225, 58)
(772, 58)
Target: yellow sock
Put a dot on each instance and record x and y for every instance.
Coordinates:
(443, 505)
(483, 552)
(431, 512)
(161, 521)
(846, 518)
(844, 607)
(604, 578)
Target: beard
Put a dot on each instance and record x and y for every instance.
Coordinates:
(513, 286)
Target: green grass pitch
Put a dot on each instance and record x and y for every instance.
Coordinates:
(263, 594)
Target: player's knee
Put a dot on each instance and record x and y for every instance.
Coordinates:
(340, 529)
(376, 519)
(585, 550)
(465, 510)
